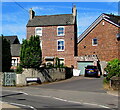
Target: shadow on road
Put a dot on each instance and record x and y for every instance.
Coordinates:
(11, 95)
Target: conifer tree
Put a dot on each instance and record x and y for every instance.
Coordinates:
(6, 55)
(31, 56)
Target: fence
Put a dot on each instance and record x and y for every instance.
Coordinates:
(9, 79)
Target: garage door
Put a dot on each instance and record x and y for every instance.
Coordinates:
(82, 65)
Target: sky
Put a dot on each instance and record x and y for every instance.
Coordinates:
(15, 14)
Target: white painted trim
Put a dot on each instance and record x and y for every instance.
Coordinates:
(93, 43)
(62, 61)
(63, 31)
(111, 22)
(92, 26)
(57, 45)
(41, 31)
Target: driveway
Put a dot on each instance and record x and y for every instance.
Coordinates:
(77, 84)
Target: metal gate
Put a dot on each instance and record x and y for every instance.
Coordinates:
(9, 79)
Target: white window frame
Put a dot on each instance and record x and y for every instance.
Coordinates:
(40, 34)
(61, 45)
(62, 61)
(93, 42)
(14, 61)
(63, 31)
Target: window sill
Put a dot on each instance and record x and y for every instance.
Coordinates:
(60, 50)
(94, 45)
(60, 35)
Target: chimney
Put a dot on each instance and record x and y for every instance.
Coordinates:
(32, 13)
(74, 12)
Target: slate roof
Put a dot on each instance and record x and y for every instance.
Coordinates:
(113, 19)
(15, 50)
(12, 39)
(51, 20)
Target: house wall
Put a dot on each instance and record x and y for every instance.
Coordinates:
(119, 47)
(107, 48)
(49, 42)
(15, 63)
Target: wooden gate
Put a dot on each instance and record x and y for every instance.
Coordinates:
(9, 79)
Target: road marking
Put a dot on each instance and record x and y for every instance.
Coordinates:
(57, 98)
(75, 102)
(23, 92)
(97, 105)
(103, 106)
(60, 99)
(17, 92)
(16, 104)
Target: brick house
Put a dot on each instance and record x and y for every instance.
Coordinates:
(15, 50)
(58, 35)
(101, 39)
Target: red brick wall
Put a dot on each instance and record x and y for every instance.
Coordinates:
(49, 42)
(107, 48)
(119, 49)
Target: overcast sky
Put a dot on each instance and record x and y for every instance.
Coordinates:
(15, 14)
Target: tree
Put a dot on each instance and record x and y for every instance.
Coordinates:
(6, 55)
(31, 55)
(113, 68)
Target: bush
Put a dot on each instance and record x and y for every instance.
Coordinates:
(31, 55)
(19, 70)
(105, 81)
(113, 69)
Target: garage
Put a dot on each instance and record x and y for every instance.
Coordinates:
(82, 64)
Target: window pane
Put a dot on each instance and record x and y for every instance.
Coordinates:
(59, 33)
(62, 43)
(59, 47)
(62, 47)
(95, 41)
(60, 29)
(58, 43)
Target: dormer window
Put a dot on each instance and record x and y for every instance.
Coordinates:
(60, 31)
(94, 42)
(38, 31)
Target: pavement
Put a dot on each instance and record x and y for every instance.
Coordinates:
(114, 93)
(4, 105)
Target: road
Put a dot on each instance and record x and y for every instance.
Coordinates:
(77, 84)
(74, 93)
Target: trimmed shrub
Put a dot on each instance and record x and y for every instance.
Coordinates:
(113, 68)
